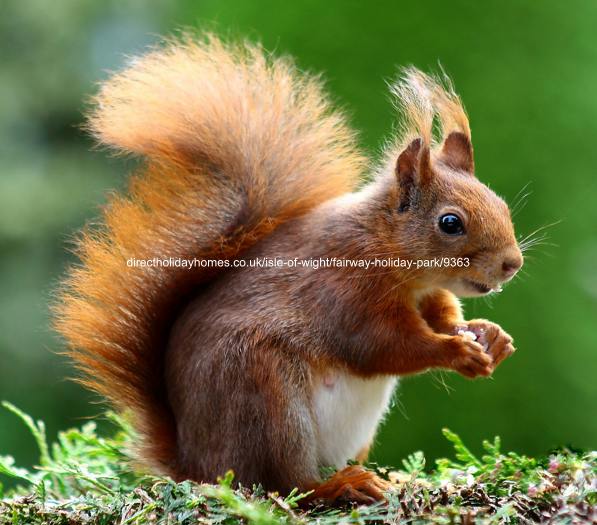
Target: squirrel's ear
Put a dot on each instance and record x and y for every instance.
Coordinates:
(457, 152)
(413, 170)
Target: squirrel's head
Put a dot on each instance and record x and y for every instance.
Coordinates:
(458, 220)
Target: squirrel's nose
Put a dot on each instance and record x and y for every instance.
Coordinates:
(511, 265)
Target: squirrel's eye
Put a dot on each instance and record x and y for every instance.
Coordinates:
(451, 224)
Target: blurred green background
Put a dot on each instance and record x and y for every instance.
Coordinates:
(527, 71)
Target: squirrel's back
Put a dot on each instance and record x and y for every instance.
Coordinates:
(234, 142)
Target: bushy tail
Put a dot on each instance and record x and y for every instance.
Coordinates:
(235, 142)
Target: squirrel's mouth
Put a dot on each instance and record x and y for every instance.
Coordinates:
(482, 288)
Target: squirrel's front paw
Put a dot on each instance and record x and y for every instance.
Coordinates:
(467, 357)
(495, 341)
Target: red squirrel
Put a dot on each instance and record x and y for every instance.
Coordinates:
(275, 372)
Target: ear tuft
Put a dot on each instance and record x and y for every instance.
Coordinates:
(457, 152)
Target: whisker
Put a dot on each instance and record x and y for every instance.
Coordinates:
(537, 242)
(516, 197)
(540, 229)
(538, 235)
(538, 238)
(534, 248)
(520, 206)
(520, 199)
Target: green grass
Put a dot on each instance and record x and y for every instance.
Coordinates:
(85, 478)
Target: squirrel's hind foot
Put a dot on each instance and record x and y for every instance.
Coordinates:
(353, 484)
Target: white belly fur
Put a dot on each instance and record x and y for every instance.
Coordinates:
(348, 410)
